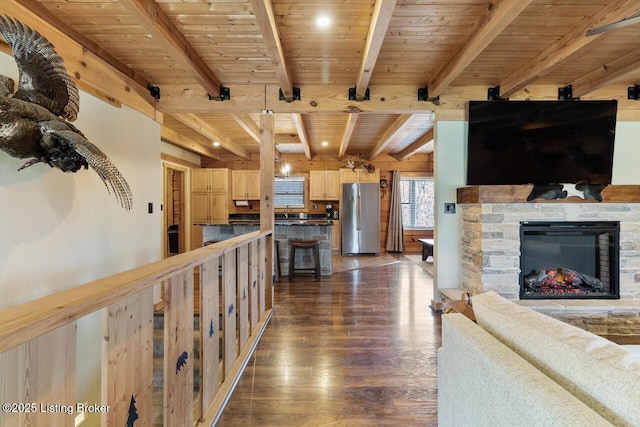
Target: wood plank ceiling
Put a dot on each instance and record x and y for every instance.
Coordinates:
(265, 50)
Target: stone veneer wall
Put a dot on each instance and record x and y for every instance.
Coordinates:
(491, 241)
(304, 259)
(282, 234)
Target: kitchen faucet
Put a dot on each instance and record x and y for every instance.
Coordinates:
(286, 211)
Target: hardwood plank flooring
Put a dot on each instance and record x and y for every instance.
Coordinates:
(357, 348)
(341, 263)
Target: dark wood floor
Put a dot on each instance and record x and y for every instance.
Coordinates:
(357, 348)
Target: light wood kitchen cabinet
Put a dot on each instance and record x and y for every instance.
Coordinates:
(324, 185)
(210, 180)
(359, 175)
(245, 185)
(209, 200)
(336, 237)
(209, 208)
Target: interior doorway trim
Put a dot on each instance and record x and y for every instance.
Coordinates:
(168, 169)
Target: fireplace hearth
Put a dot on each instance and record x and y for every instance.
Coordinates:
(569, 259)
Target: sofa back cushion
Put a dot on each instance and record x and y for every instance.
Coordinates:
(600, 373)
(483, 383)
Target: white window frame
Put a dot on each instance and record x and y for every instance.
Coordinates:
(416, 208)
(302, 198)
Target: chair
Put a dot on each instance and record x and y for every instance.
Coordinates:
(314, 245)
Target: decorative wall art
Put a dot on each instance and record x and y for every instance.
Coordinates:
(353, 164)
(35, 119)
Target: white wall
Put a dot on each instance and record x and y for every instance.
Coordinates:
(626, 153)
(449, 165)
(59, 230)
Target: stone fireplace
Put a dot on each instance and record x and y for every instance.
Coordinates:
(491, 234)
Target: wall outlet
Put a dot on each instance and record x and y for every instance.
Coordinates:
(450, 208)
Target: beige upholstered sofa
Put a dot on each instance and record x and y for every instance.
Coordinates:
(517, 367)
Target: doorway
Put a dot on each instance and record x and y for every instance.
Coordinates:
(175, 209)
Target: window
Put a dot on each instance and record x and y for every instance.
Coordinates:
(288, 192)
(417, 202)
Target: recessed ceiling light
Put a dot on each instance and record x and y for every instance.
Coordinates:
(216, 144)
(325, 143)
(323, 21)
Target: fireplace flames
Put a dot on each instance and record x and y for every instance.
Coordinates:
(563, 281)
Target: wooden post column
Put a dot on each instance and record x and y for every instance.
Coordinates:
(267, 163)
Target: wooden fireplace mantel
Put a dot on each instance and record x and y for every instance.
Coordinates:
(518, 194)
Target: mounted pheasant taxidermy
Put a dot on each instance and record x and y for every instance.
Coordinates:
(35, 120)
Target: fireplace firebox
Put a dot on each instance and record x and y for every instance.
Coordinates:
(569, 260)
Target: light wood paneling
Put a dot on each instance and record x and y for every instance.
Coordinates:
(178, 350)
(265, 274)
(210, 330)
(243, 295)
(38, 343)
(230, 307)
(128, 359)
(254, 279)
(40, 374)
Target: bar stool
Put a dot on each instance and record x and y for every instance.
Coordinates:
(314, 245)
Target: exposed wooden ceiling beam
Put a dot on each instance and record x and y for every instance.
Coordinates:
(382, 13)
(137, 83)
(389, 134)
(324, 99)
(175, 138)
(415, 146)
(206, 130)
(85, 87)
(302, 133)
(494, 22)
(263, 10)
(607, 74)
(560, 51)
(250, 99)
(83, 61)
(153, 18)
(346, 136)
(247, 123)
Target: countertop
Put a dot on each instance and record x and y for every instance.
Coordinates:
(303, 222)
(296, 221)
(252, 219)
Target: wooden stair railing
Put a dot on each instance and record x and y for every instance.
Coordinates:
(38, 339)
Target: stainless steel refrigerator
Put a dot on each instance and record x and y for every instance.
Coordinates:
(360, 216)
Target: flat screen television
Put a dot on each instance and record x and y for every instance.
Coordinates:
(540, 142)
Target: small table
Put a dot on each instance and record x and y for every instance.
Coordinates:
(427, 248)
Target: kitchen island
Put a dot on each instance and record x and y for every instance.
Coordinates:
(285, 230)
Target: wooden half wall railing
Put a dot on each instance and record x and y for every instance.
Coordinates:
(232, 306)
